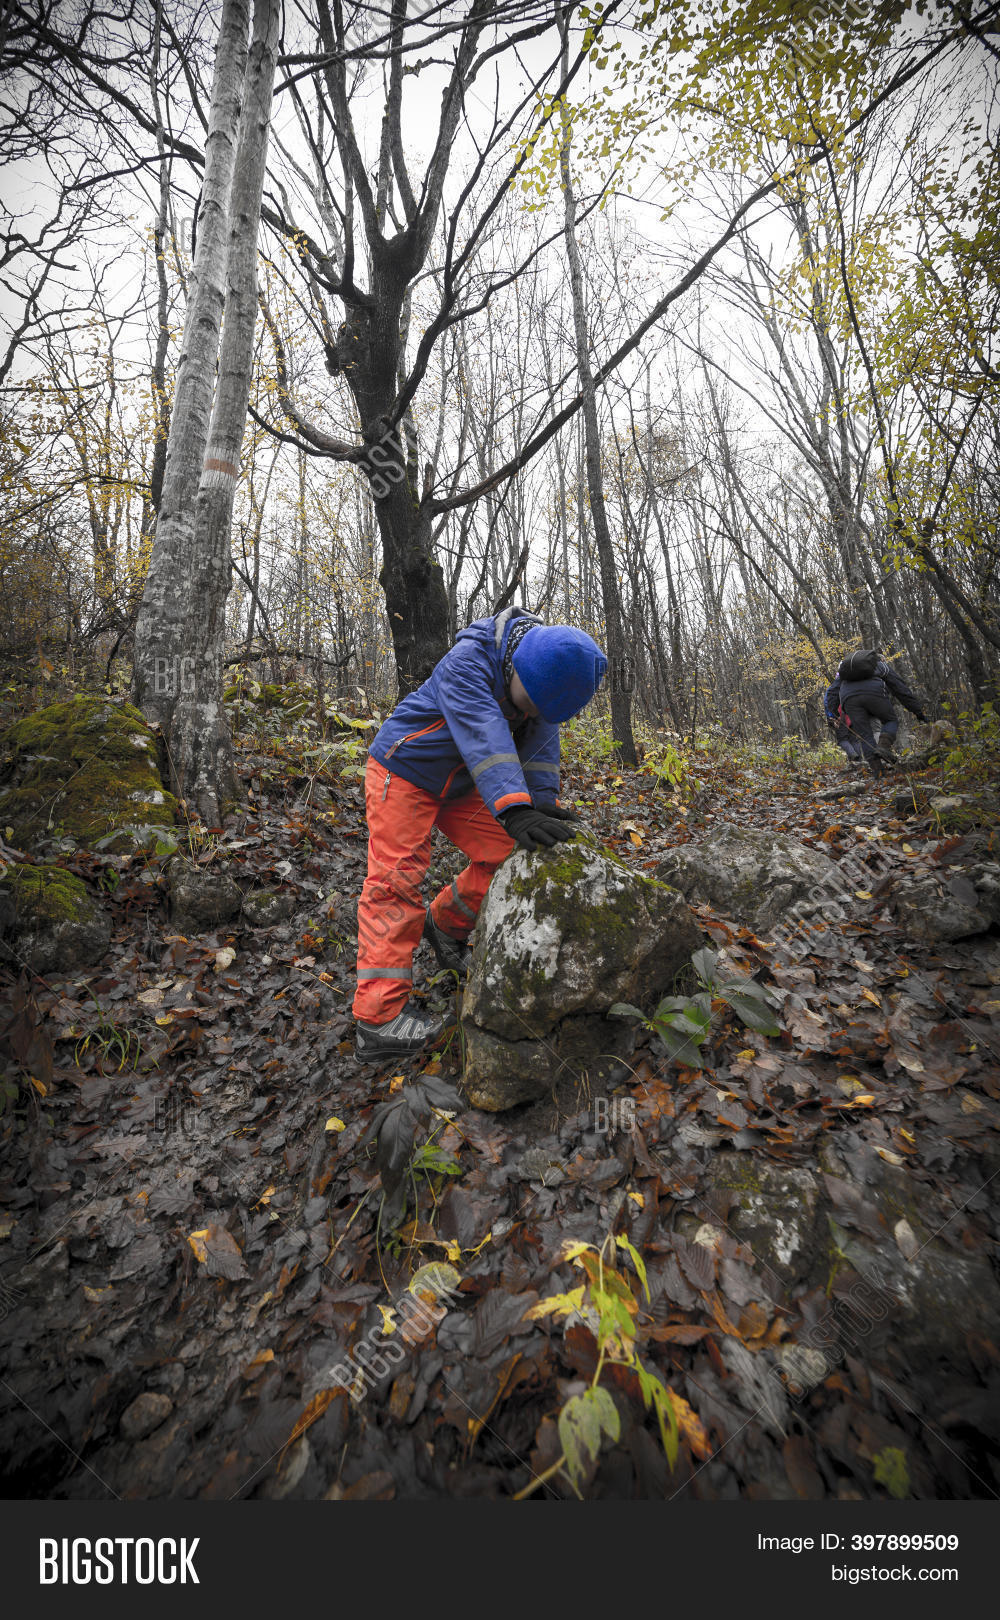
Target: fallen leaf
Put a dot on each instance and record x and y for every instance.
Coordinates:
(224, 958)
(906, 1238)
(890, 1158)
(334, 1124)
(870, 995)
(690, 1425)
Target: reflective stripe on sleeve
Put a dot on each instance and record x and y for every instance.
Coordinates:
(494, 759)
(386, 973)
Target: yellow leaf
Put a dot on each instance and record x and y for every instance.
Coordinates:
(890, 1158)
(164, 1018)
(870, 995)
(39, 1086)
(637, 841)
(556, 1305)
(388, 1319)
(260, 1360)
(571, 1250)
(437, 1277)
(848, 1084)
(863, 894)
(637, 1198)
(265, 1197)
(334, 1124)
(908, 1134)
(197, 1242)
(747, 1054)
(690, 1425)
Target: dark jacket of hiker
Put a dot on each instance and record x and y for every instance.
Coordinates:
(869, 699)
(884, 685)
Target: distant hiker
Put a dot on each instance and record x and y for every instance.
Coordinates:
(867, 687)
(838, 725)
(474, 751)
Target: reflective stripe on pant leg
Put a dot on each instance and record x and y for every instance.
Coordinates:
(391, 910)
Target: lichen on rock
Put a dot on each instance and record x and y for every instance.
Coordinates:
(562, 935)
(82, 769)
(755, 877)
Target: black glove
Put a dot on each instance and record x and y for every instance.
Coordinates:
(537, 829)
(562, 813)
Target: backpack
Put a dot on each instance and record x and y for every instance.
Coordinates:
(859, 666)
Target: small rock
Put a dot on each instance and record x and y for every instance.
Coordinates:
(266, 906)
(145, 1414)
(200, 897)
(936, 909)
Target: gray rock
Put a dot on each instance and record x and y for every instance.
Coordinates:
(953, 905)
(266, 906)
(756, 877)
(776, 1210)
(52, 922)
(562, 935)
(145, 1414)
(200, 897)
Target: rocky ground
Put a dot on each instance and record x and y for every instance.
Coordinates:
(191, 1237)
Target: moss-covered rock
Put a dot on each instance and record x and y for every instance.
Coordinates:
(266, 906)
(83, 769)
(562, 935)
(53, 924)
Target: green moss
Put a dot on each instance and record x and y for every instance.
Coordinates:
(81, 768)
(47, 894)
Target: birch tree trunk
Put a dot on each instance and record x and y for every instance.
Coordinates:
(620, 697)
(162, 656)
(201, 742)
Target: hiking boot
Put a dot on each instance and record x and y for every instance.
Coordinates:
(407, 1032)
(451, 952)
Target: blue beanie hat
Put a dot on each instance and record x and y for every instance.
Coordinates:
(560, 668)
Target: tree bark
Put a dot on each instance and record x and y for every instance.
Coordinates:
(201, 742)
(618, 688)
(161, 640)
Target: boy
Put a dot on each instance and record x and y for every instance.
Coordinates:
(474, 751)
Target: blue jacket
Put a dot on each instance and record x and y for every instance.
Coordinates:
(831, 700)
(460, 728)
(885, 683)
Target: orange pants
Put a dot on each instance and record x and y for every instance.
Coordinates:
(391, 910)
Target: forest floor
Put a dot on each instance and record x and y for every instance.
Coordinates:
(186, 1213)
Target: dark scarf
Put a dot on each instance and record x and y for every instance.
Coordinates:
(515, 635)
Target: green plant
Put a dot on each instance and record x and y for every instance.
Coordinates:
(683, 1023)
(606, 1302)
(662, 761)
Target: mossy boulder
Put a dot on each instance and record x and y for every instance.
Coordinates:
(52, 923)
(84, 769)
(562, 935)
(754, 877)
